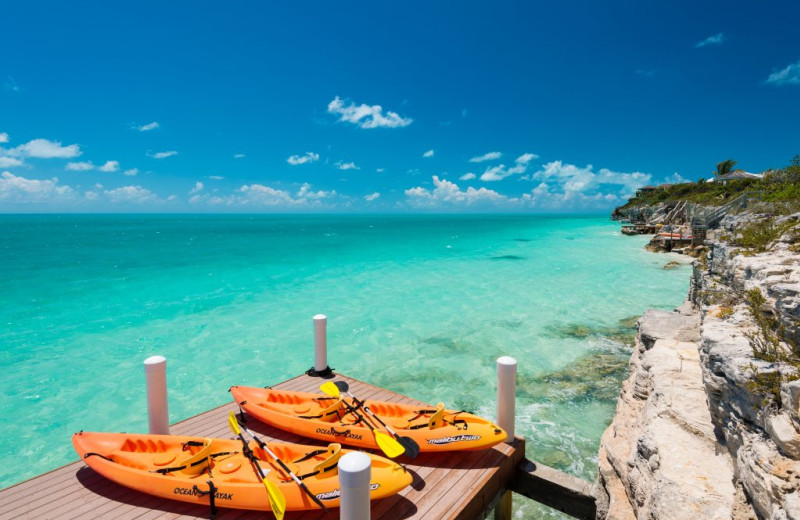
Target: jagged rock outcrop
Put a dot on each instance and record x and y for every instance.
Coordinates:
(692, 436)
(764, 438)
(660, 457)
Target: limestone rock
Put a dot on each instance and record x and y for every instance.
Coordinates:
(660, 458)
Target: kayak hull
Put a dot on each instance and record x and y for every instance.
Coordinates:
(289, 411)
(132, 459)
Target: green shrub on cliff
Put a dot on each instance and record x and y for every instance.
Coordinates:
(759, 236)
(770, 343)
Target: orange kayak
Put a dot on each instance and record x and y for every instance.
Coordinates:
(327, 418)
(181, 468)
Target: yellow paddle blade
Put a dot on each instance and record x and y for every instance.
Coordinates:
(276, 499)
(330, 389)
(234, 424)
(390, 447)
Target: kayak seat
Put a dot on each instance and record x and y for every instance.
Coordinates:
(400, 423)
(329, 413)
(301, 409)
(164, 459)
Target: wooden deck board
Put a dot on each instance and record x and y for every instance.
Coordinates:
(456, 485)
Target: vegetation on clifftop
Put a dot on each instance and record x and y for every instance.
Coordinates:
(781, 186)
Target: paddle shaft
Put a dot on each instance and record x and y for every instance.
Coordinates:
(300, 483)
(407, 443)
(250, 455)
(363, 405)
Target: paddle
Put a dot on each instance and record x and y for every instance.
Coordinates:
(299, 482)
(390, 447)
(408, 445)
(277, 502)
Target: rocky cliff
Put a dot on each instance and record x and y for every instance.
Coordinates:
(693, 436)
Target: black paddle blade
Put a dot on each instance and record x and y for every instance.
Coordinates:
(411, 446)
(342, 386)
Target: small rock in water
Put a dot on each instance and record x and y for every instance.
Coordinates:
(672, 264)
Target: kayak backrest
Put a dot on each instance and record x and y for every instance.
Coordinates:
(332, 412)
(437, 419)
(331, 459)
(198, 461)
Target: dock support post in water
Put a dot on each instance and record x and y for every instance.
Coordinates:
(502, 511)
(354, 474)
(155, 370)
(320, 368)
(506, 416)
(506, 395)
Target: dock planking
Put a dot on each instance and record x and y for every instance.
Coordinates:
(454, 486)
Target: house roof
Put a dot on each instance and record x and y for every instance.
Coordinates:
(737, 174)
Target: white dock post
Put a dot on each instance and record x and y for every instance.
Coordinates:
(506, 395)
(155, 370)
(320, 367)
(355, 472)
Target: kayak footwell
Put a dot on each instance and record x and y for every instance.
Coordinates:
(453, 485)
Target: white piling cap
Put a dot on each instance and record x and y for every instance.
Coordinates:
(320, 317)
(506, 360)
(354, 470)
(154, 363)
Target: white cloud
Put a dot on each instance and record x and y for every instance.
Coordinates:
(162, 155)
(380, 170)
(198, 187)
(239, 156)
(500, 172)
(429, 153)
(258, 194)
(366, 116)
(446, 192)
(491, 156)
(148, 127)
(216, 177)
(20, 189)
(12, 85)
(3, 137)
(305, 192)
(467, 177)
(675, 178)
(571, 179)
(372, 196)
(717, 39)
(45, 149)
(110, 166)
(526, 158)
(10, 162)
(79, 166)
(787, 76)
(347, 166)
(135, 194)
(309, 157)
(132, 172)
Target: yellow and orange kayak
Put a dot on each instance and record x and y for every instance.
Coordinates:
(320, 416)
(185, 468)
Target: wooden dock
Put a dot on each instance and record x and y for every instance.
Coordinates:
(456, 486)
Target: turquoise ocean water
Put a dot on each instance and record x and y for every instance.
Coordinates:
(421, 305)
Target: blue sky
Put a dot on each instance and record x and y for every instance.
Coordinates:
(386, 107)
